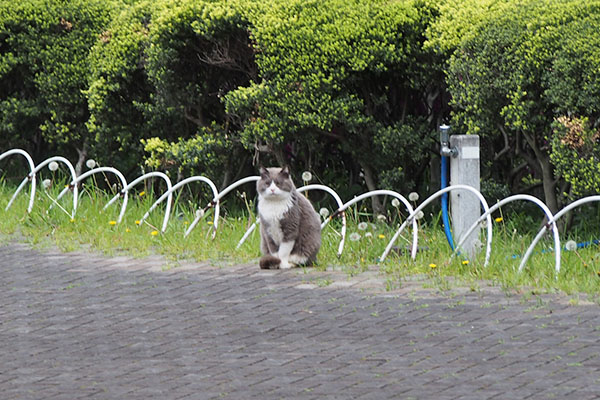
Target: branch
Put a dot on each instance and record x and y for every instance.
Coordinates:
(517, 169)
(530, 160)
(220, 55)
(197, 120)
(333, 135)
(506, 148)
(531, 142)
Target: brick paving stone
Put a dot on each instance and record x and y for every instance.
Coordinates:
(77, 325)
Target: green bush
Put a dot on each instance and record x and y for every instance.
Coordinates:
(341, 81)
(351, 90)
(573, 85)
(119, 91)
(199, 51)
(502, 77)
(44, 48)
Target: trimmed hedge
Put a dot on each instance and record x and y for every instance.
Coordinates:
(351, 90)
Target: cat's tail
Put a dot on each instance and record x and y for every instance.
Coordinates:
(269, 262)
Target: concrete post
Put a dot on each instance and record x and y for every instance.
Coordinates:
(464, 206)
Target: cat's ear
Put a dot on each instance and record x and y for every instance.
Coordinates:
(285, 171)
(263, 171)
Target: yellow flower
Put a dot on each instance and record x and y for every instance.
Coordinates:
(141, 193)
(432, 266)
(185, 222)
(210, 222)
(499, 219)
(381, 236)
(465, 262)
(72, 219)
(112, 222)
(127, 230)
(137, 222)
(154, 233)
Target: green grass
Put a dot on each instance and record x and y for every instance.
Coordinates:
(95, 229)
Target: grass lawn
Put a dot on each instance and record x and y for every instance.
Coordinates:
(367, 237)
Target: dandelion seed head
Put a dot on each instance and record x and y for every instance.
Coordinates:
(381, 218)
(90, 163)
(571, 245)
(395, 203)
(413, 196)
(306, 176)
(324, 212)
(363, 226)
(53, 166)
(46, 183)
(354, 236)
(419, 215)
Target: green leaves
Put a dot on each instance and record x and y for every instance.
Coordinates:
(334, 76)
(213, 81)
(44, 66)
(515, 67)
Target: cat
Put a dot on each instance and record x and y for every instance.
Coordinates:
(290, 228)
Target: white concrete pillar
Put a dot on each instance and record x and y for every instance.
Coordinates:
(465, 207)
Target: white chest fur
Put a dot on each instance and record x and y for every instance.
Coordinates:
(271, 211)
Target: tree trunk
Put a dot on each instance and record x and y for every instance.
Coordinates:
(370, 181)
(548, 181)
(549, 185)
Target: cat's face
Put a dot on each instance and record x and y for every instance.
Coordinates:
(274, 183)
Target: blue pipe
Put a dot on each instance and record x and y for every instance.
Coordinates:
(445, 219)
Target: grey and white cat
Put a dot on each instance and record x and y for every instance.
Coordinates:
(290, 228)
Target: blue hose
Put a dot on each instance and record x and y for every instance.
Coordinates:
(446, 220)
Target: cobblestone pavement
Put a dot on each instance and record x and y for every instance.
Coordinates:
(80, 325)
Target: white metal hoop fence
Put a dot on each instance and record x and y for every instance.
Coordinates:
(411, 219)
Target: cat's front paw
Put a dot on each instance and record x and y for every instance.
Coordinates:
(285, 265)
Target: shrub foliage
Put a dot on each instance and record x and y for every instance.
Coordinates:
(351, 90)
